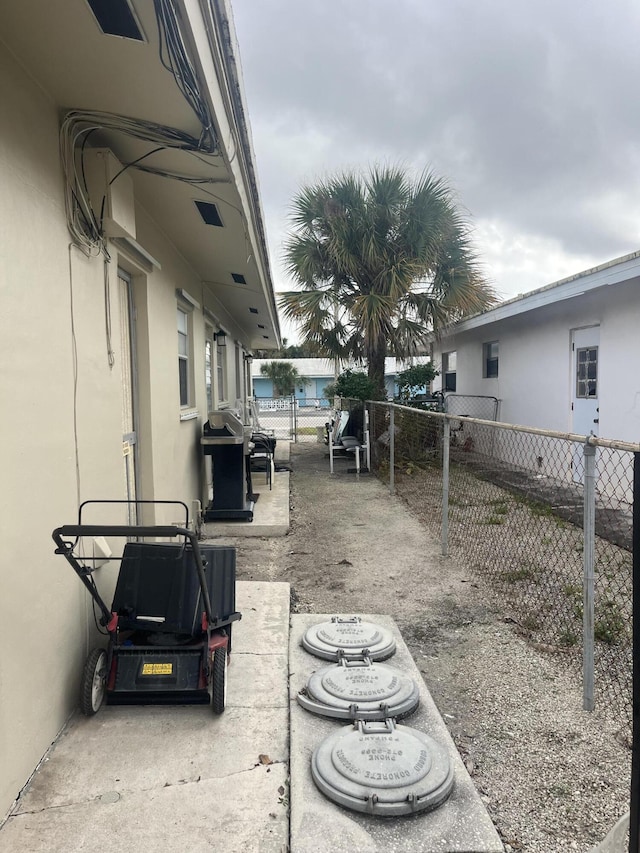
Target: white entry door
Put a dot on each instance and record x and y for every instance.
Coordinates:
(585, 346)
(128, 379)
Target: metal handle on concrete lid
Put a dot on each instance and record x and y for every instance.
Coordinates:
(349, 620)
(375, 728)
(364, 661)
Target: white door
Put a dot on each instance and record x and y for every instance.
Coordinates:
(128, 379)
(585, 345)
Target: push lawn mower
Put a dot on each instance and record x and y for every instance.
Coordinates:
(169, 626)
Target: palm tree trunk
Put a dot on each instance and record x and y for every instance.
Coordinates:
(376, 356)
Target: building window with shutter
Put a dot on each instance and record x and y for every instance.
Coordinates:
(184, 360)
(490, 360)
(449, 364)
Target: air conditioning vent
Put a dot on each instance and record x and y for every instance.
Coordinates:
(116, 18)
(253, 310)
(238, 278)
(209, 213)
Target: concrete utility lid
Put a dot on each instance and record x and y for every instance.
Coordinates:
(359, 690)
(349, 637)
(383, 769)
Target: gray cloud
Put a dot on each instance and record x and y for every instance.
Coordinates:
(528, 108)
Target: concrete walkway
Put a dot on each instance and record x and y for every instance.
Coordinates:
(172, 779)
(178, 778)
(271, 510)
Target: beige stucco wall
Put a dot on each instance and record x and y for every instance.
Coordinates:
(44, 622)
(62, 431)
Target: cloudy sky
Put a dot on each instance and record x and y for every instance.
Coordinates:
(530, 109)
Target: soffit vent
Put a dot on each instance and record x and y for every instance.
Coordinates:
(116, 18)
(253, 310)
(238, 278)
(209, 213)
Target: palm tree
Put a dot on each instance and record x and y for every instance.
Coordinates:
(284, 375)
(381, 261)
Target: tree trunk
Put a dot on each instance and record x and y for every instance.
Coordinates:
(377, 352)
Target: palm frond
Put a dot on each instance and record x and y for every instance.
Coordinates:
(380, 257)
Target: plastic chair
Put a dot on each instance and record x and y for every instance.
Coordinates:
(264, 448)
(341, 443)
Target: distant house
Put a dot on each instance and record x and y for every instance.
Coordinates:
(565, 357)
(321, 372)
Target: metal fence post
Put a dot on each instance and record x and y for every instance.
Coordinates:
(634, 817)
(445, 487)
(294, 404)
(589, 533)
(392, 450)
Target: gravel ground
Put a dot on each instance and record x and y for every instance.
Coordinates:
(553, 777)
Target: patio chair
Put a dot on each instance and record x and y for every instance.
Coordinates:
(263, 453)
(343, 437)
(255, 420)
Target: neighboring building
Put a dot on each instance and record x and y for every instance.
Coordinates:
(321, 372)
(565, 357)
(112, 338)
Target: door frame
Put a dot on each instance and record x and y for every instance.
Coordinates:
(133, 437)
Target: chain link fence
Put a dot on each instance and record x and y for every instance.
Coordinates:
(290, 418)
(275, 416)
(544, 518)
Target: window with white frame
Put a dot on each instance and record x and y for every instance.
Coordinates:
(490, 352)
(221, 370)
(587, 372)
(238, 372)
(184, 356)
(208, 366)
(449, 364)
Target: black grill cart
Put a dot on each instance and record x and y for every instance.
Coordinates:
(228, 443)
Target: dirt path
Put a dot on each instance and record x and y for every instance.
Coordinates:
(553, 778)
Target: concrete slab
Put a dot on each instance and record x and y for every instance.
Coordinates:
(175, 778)
(270, 512)
(265, 618)
(243, 812)
(140, 749)
(460, 825)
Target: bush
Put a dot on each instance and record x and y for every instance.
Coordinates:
(353, 384)
(415, 381)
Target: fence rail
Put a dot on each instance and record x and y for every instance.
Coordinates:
(292, 419)
(545, 517)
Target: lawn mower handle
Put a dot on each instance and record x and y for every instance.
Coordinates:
(168, 531)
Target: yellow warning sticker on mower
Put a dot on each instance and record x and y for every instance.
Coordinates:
(157, 669)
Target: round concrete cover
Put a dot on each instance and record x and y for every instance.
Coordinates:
(383, 769)
(349, 637)
(360, 690)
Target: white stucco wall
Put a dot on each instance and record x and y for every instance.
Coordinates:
(535, 381)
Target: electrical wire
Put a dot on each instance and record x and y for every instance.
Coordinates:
(111, 356)
(187, 179)
(84, 225)
(174, 57)
(77, 127)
